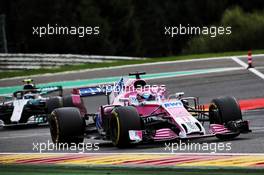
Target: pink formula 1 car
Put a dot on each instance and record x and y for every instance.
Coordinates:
(138, 113)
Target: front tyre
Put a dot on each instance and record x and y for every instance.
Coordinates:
(53, 103)
(66, 126)
(223, 110)
(123, 119)
(68, 101)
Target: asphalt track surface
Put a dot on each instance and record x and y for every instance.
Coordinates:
(241, 83)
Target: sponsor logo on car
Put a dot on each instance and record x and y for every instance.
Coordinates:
(173, 104)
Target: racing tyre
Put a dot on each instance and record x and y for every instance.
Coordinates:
(123, 119)
(67, 101)
(5, 122)
(5, 119)
(66, 125)
(53, 103)
(223, 110)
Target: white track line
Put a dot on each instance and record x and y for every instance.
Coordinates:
(25, 136)
(115, 67)
(126, 66)
(244, 65)
(150, 78)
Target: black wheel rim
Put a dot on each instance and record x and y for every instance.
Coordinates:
(214, 115)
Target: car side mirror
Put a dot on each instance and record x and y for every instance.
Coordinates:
(179, 94)
(8, 98)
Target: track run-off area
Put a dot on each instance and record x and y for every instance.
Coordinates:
(203, 78)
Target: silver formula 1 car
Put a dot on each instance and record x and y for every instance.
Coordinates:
(137, 113)
(31, 105)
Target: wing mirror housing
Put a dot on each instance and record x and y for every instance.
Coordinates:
(179, 94)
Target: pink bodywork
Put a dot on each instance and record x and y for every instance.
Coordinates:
(218, 129)
(177, 114)
(77, 101)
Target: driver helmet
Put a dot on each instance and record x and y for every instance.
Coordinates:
(28, 84)
(145, 96)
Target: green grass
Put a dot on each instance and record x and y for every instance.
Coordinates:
(8, 74)
(96, 170)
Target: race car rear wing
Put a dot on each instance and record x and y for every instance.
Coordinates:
(105, 89)
(93, 91)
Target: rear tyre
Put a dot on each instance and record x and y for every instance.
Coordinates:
(123, 119)
(5, 118)
(223, 110)
(66, 125)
